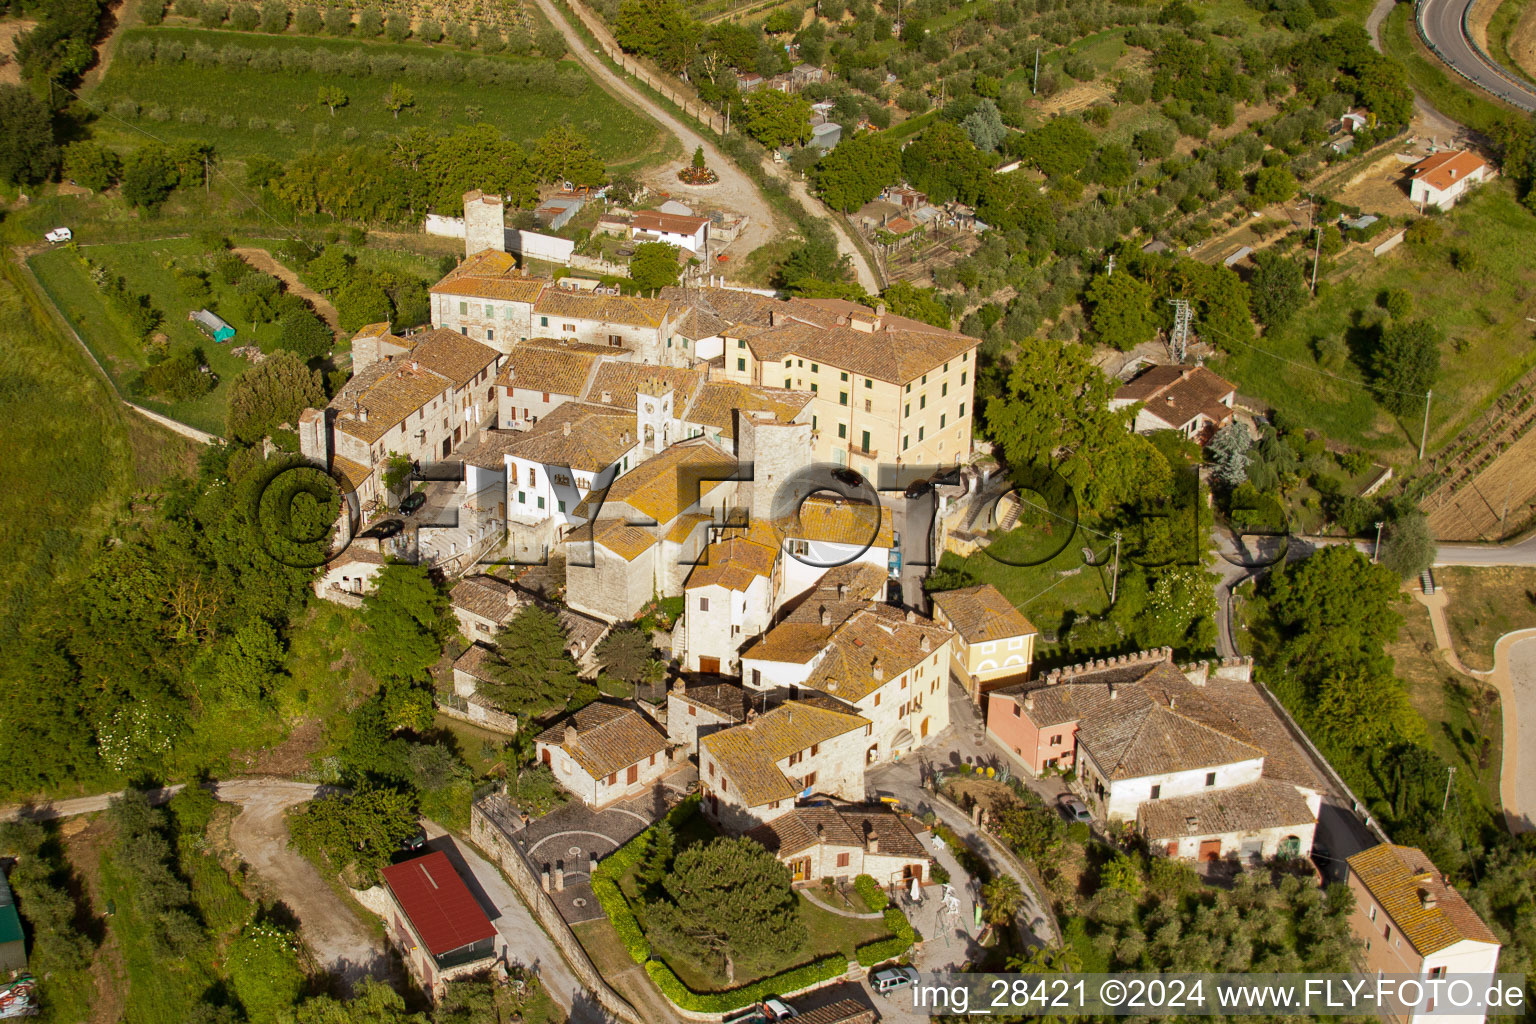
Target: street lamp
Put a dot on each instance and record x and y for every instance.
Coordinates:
(1376, 554)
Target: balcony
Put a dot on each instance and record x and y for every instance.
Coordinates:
(863, 453)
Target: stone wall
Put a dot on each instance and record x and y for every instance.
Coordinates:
(497, 845)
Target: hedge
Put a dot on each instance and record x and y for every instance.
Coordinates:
(605, 883)
(870, 892)
(881, 950)
(734, 999)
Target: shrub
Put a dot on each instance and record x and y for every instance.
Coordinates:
(338, 21)
(624, 921)
(881, 950)
(307, 20)
(274, 16)
(212, 15)
(370, 23)
(152, 12)
(430, 30)
(244, 18)
(189, 8)
(179, 378)
(870, 892)
(723, 1002)
(397, 28)
(460, 35)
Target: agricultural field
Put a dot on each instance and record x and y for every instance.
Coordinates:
(251, 94)
(1481, 310)
(147, 268)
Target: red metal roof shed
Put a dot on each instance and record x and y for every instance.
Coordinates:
(438, 903)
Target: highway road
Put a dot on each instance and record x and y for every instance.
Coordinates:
(1445, 24)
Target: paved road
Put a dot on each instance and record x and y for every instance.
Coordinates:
(1445, 23)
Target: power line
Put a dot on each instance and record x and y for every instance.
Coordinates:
(1318, 369)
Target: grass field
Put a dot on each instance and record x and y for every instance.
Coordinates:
(145, 266)
(1486, 603)
(1432, 80)
(245, 112)
(1501, 28)
(1488, 342)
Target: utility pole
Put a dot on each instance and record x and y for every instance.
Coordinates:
(1034, 86)
(1179, 338)
(1317, 243)
(1376, 551)
(1449, 777)
(1424, 436)
(1111, 271)
(1114, 577)
(727, 119)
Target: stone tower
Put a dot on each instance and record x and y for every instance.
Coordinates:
(484, 223)
(777, 450)
(653, 416)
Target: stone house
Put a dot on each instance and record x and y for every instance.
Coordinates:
(754, 772)
(469, 671)
(1199, 759)
(489, 299)
(783, 658)
(1412, 921)
(843, 841)
(374, 343)
(637, 324)
(1188, 399)
(604, 752)
(729, 598)
(690, 234)
(350, 575)
(422, 405)
(823, 533)
(436, 923)
(993, 640)
(482, 604)
(541, 374)
(697, 711)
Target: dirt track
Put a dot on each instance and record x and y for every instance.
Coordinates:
(263, 261)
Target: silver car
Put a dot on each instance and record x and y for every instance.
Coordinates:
(888, 979)
(1074, 808)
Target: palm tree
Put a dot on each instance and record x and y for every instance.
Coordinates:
(1046, 960)
(1003, 897)
(654, 673)
(514, 754)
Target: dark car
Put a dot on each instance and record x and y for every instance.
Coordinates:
(850, 477)
(918, 488)
(415, 842)
(387, 528)
(413, 502)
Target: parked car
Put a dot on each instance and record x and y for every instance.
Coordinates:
(413, 502)
(750, 1015)
(415, 842)
(893, 565)
(777, 1009)
(918, 488)
(1073, 808)
(59, 235)
(888, 979)
(385, 529)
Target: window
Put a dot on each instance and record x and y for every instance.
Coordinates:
(463, 309)
(962, 410)
(866, 440)
(965, 357)
(814, 388)
(1386, 932)
(868, 405)
(560, 504)
(944, 389)
(813, 422)
(909, 389)
(1157, 791)
(490, 334)
(815, 368)
(946, 367)
(962, 378)
(922, 401)
(787, 382)
(703, 604)
(906, 441)
(809, 780)
(796, 758)
(906, 410)
(541, 501)
(533, 478)
(568, 328)
(741, 365)
(920, 434)
(842, 398)
(613, 778)
(925, 378)
(942, 417)
(1437, 972)
(617, 340)
(843, 375)
(1373, 913)
(711, 769)
(842, 860)
(1210, 779)
(1055, 740)
(543, 321)
(869, 385)
(693, 712)
(877, 700)
(741, 342)
(546, 396)
(522, 498)
(842, 430)
(815, 749)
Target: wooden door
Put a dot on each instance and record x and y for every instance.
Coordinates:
(800, 869)
(925, 727)
(632, 775)
(709, 665)
(1210, 850)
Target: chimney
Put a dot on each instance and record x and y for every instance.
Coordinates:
(362, 414)
(876, 670)
(1113, 692)
(565, 429)
(773, 318)
(1029, 702)
(624, 438)
(842, 590)
(871, 840)
(606, 397)
(677, 685)
(826, 616)
(751, 715)
(570, 734)
(1427, 899)
(925, 644)
(415, 364)
(911, 615)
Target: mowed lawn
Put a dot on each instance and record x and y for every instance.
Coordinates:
(1482, 313)
(245, 112)
(146, 268)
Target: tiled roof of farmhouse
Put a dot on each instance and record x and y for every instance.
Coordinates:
(597, 437)
(718, 401)
(490, 274)
(734, 563)
(473, 661)
(629, 310)
(452, 354)
(379, 398)
(485, 596)
(722, 698)
(839, 825)
(666, 484)
(1253, 807)
(835, 521)
(1400, 877)
(801, 634)
(608, 737)
(550, 366)
(1177, 394)
(869, 645)
(982, 613)
(622, 381)
(893, 354)
(628, 542)
(748, 754)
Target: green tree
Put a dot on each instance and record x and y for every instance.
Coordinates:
(532, 672)
(330, 270)
(654, 265)
(397, 98)
(857, 170)
(27, 150)
(730, 903)
(698, 158)
(1122, 310)
(149, 177)
(362, 301)
(1407, 546)
(942, 162)
(1220, 301)
(944, 577)
(303, 333)
(625, 653)
(777, 119)
(906, 299)
(1277, 289)
(1002, 898)
(250, 664)
(1058, 149)
(263, 967)
(985, 126)
(272, 393)
(364, 827)
(1272, 185)
(370, 23)
(1228, 453)
(331, 97)
(1032, 830)
(274, 16)
(406, 621)
(1120, 872)
(659, 29)
(1406, 364)
(564, 154)
(91, 165)
(372, 1002)
(660, 849)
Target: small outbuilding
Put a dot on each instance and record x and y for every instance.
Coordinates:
(212, 324)
(436, 922)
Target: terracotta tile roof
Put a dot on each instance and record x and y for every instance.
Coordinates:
(613, 309)
(698, 323)
(666, 484)
(834, 521)
(490, 274)
(598, 437)
(1399, 877)
(1444, 169)
(847, 308)
(1283, 757)
(373, 402)
(379, 330)
(355, 554)
(726, 699)
(622, 381)
(453, 355)
(897, 355)
(540, 366)
(1177, 394)
(801, 634)
(894, 831)
(749, 754)
(473, 661)
(686, 524)
(1258, 805)
(794, 643)
(353, 474)
(718, 400)
(981, 614)
(628, 542)
(845, 825)
(438, 903)
(485, 596)
(844, 1011)
(609, 737)
(747, 308)
(734, 563)
(870, 644)
(669, 223)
